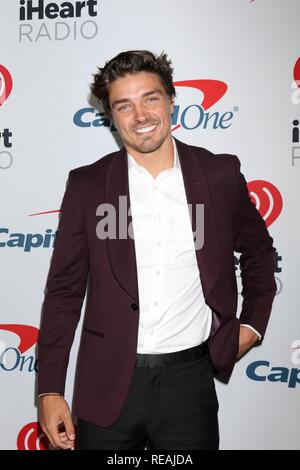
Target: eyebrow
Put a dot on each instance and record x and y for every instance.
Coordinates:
(125, 100)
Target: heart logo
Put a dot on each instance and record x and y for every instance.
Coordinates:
(267, 199)
(32, 437)
(297, 72)
(5, 84)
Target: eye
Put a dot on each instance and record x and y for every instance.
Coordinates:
(124, 108)
(152, 99)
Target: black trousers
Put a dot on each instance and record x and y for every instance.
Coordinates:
(167, 408)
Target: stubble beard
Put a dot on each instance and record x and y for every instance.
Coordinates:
(147, 144)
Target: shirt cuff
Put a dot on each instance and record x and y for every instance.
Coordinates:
(49, 393)
(253, 329)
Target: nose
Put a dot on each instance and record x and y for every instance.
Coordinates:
(140, 113)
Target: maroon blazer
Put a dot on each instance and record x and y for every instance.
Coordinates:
(106, 270)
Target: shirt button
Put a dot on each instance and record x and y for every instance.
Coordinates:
(151, 332)
(155, 303)
(134, 306)
(157, 272)
(158, 243)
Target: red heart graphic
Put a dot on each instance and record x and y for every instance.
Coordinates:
(5, 84)
(297, 72)
(267, 199)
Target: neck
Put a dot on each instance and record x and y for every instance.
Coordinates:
(155, 162)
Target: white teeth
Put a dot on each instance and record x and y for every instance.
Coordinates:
(142, 130)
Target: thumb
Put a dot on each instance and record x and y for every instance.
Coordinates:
(69, 427)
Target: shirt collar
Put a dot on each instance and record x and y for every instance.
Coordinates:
(132, 163)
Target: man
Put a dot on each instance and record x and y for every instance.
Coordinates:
(161, 299)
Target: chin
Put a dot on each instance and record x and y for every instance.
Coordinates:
(148, 148)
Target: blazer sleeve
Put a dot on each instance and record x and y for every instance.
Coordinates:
(65, 292)
(257, 261)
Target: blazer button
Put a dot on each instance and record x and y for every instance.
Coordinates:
(134, 306)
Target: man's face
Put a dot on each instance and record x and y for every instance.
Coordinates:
(141, 111)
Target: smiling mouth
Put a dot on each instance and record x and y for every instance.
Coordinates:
(146, 129)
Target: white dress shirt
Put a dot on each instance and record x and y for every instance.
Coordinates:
(173, 312)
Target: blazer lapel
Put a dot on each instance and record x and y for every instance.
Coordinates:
(198, 191)
(121, 250)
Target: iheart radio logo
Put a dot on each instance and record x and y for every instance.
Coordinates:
(297, 72)
(5, 84)
(267, 199)
(32, 437)
(27, 334)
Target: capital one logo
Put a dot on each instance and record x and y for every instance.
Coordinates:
(193, 116)
(262, 371)
(5, 84)
(31, 437)
(196, 115)
(28, 241)
(13, 358)
(267, 199)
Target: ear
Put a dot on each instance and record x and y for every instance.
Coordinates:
(112, 119)
(172, 103)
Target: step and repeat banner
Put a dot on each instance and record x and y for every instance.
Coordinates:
(237, 77)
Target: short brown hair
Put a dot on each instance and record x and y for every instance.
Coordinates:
(132, 62)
